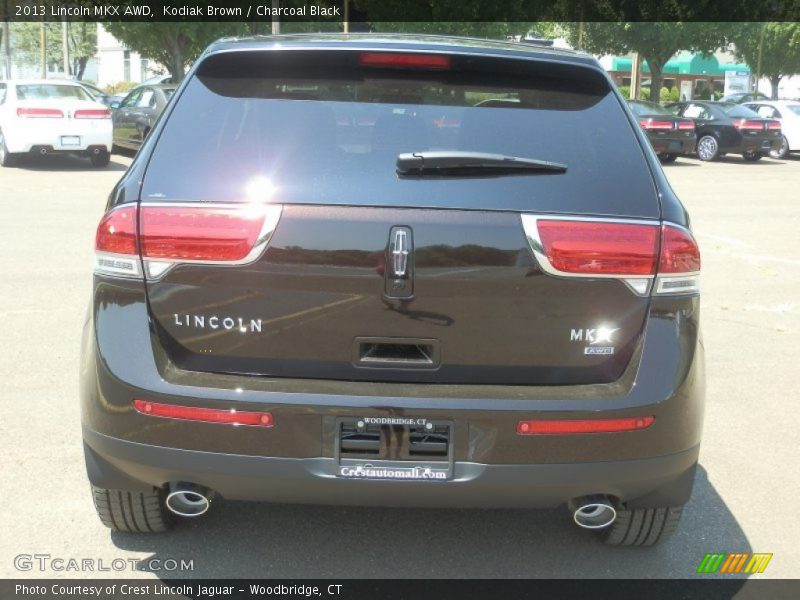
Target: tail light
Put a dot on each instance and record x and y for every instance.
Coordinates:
(748, 125)
(599, 248)
(686, 125)
(162, 236)
(679, 262)
(40, 113)
(205, 415)
(92, 113)
(635, 252)
(655, 124)
(115, 243)
(404, 61)
(774, 125)
(576, 426)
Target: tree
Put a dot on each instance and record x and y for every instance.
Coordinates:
(656, 42)
(476, 18)
(82, 41)
(780, 49)
(174, 45)
(82, 46)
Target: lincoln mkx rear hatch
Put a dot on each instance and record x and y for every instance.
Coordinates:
(400, 217)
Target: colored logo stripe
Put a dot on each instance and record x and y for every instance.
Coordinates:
(733, 563)
(710, 563)
(758, 563)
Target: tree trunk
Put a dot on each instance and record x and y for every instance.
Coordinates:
(175, 65)
(775, 80)
(656, 77)
(175, 47)
(80, 67)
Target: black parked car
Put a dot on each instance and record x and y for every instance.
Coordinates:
(741, 97)
(135, 115)
(670, 136)
(726, 128)
(338, 273)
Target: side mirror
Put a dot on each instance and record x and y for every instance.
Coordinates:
(115, 104)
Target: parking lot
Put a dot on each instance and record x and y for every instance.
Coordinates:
(746, 217)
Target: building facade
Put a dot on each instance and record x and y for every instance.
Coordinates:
(116, 63)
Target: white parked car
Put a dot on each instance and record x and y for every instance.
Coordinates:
(788, 113)
(52, 117)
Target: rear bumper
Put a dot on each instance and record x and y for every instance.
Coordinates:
(756, 144)
(674, 145)
(29, 137)
(659, 481)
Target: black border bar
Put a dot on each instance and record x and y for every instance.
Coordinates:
(405, 589)
(420, 11)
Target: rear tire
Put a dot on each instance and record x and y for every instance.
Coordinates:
(781, 152)
(642, 526)
(132, 512)
(7, 159)
(707, 148)
(667, 158)
(100, 160)
(752, 156)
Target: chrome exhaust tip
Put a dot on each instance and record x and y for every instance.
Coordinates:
(593, 512)
(188, 500)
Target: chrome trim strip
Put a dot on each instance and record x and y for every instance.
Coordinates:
(668, 285)
(104, 264)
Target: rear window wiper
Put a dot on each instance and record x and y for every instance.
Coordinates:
(449, 163)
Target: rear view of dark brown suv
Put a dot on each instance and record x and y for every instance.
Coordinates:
(395, 271)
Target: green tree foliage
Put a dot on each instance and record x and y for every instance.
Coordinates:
(475, 18)
(82, 43)
(174, 45)
(780, 49)
(656, 42)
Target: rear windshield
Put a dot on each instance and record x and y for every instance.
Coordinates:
(739, 110)
(47, 91)
(795, 108)
(322, 129)
(640, 109)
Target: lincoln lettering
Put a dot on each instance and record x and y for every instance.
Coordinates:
(218, 322)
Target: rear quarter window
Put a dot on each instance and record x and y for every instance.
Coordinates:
(323, 130)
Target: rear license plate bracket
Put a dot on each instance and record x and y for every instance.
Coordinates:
(70, 140)
(394, 448)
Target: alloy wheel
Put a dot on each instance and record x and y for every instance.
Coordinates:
(707, 148)
(782, 151)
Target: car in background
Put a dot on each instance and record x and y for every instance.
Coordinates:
(742, 97)
(158, 80)
(95, 91)
(727, 128)
(671, 136)
(135, 115)
(52, 117)
(788, 113)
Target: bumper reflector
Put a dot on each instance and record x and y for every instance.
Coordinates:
(546, 427)
(206, 415)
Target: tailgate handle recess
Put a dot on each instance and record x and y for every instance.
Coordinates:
(396, 353)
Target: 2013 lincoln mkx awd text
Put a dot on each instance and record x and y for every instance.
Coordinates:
(395, 271)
